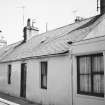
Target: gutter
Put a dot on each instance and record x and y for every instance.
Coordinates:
(38, 57)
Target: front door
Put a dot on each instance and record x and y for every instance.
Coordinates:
(23, 80)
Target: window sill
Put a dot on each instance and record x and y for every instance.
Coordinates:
(84, 96)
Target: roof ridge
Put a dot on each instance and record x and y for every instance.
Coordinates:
(54, 38)
(81, 27)
(70, 24)
(61, 27)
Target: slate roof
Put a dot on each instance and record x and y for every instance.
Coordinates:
(51, 42)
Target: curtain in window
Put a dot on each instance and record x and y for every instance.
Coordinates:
(98, 83)
(98, 75)
(91, 74)
(85, 83)
(44, 74)
(44, 81)
(85, 65)
(85, 78)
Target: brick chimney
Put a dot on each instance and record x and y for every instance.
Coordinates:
(29, 31)
(102, 7)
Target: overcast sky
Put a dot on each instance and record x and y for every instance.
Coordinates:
(56, 13)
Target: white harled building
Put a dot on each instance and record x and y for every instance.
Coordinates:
(64, 66)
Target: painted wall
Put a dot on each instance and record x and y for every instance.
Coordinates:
(14, 87)
(58, 85)
(3, 77)
(83, 48)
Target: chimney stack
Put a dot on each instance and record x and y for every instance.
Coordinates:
(102, 7)
(29, 31)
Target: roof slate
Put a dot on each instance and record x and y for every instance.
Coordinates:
(51, 42)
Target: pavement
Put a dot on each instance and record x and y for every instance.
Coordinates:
(17, 100)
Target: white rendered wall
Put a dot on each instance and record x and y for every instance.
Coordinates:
(14, 87)
(83, 48)
(3, 77)
(58, 85)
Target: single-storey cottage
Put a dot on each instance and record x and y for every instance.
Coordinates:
(64, 66)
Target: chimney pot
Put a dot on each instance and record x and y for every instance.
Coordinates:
(28, 22)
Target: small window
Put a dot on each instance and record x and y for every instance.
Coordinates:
(9, 74)
(90, 75)
(44, 75)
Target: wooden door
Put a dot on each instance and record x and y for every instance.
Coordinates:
(23, 80)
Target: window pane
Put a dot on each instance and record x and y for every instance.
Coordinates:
(85, 83)
(101, 63)
(85, 65)
(94, 63)
(98, 83)
(97, 63)
(88, 65)
(82, 64)
(91, 74)
(44, 81)
(44, 68)
(44, 75)
(9, 74)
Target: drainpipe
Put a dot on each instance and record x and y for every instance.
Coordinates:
(71, 58)
(72, 90)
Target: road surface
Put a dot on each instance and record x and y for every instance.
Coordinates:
(5, 102)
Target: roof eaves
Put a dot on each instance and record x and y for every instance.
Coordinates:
(38, 57)
(7, 50)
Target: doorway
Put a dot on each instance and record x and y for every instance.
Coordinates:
(23, 80)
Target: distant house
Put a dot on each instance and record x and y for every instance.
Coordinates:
(64, 66)
(2, 41)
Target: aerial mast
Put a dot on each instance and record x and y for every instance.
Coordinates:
(23, 14)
